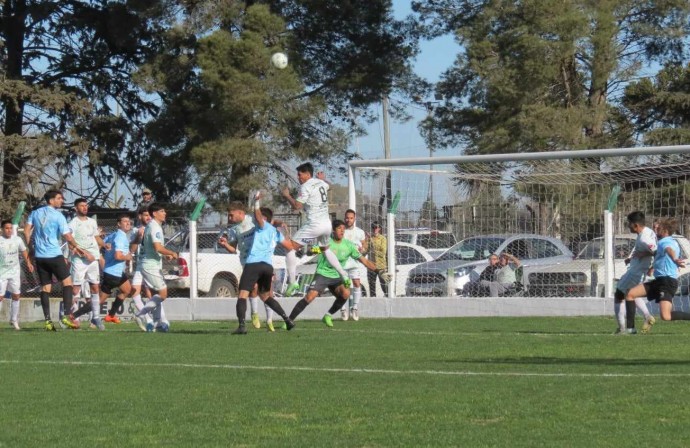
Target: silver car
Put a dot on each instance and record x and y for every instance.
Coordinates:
(462, 263)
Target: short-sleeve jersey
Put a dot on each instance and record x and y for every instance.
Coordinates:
(313, 194)
(265, 240)
(149, 257)
(663, 263)
(9, 256)
(638, 267)
(118, 243)
(343, 251)
(357, 236)
(48, 227)
(242, 236)
(84, 232)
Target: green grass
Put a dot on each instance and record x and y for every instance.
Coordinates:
(419, 382)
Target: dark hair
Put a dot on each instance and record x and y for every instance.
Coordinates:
(155, 207)
(236, 205)
(636, 217)
(337, 223)
(306, 168)
(349, 210)
(122, 216)
(5, 222)
(375, 225)
(670, 224)
(143, 210)
(79, 201)
(268, 213)
(51, 194)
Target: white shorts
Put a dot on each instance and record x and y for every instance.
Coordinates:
(153, 278)
(314, 232)
(354, 273)
(11, 284)
(137, 278)
(81, 271)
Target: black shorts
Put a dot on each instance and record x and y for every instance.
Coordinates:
(110, 282)
(260, 274)
(320, 283)
(49, 267)
(661, 288)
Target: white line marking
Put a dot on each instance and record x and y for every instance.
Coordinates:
(338, 370)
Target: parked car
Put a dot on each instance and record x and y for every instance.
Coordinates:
(436, 242)
(407, 256)
(585, 275)
(468, 258)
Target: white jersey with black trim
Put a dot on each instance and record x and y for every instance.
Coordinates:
(313, 195)
(356, 236)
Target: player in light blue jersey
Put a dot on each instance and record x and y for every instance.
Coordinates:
(11, 246)
(45, 228)
(258, 269)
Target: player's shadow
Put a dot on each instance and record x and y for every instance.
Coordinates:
(550, 360)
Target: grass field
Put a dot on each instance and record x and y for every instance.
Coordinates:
(425, 382)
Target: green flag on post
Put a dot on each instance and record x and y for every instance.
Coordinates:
(613, 197)
(197, 210)
(18, 214)
(394, 205)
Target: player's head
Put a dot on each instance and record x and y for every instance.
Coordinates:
(665, 227)
(350, 216)
(268, 214)
(157, 212)
(124, 223)
(54, 198)
(338, 229)
(504, 259)
(6, 228)
(636, 221)
(81, 205)
(493, 259)
(376, 228)
(236, 212)
(144, 215)
(305, 172)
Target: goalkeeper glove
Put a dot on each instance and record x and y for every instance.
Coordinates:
(385, 276)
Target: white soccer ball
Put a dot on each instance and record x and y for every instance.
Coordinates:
(279, 60)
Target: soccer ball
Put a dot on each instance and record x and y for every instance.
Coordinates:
(279, 60)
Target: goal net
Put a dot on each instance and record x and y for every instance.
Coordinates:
(545, 210)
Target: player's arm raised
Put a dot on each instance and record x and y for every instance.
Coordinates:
(260, 219)
(294, 203)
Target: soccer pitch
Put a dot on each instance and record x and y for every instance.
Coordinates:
(398, 382)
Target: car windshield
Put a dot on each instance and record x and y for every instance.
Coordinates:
(473, 249)
(435, 240)
(595, 249)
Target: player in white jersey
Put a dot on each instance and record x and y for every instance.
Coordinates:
(86, 268)
(639, 262)
(313, 199)
(354, 268)
(137, 280)
(10, 271)
(153, 251)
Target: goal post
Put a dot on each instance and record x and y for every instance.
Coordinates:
(556, 203)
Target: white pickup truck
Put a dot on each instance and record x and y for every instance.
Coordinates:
(219, 271)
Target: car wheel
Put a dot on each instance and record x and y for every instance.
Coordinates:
(222, 287)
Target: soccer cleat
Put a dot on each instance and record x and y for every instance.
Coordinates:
(112, 319)
(97, 324)
(354, 312)
(314, 250)
(647, 326)
(70, 322)
(141, 322)
(289, 324)
(344, 314)
(619, 330)
(291, 289)
(326, 319)
(347, 282)
(49, 326)
(162, 327)
(256, 323)
(15, 324)
(149, 327)
(269, 326)
(240, 330)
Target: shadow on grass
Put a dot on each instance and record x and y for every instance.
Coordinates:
(550, 360)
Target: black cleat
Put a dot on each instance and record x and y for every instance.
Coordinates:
(240, 330)
(289, 324)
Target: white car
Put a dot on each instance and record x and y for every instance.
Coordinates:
(407, 257)
(436, 242)
(585, 275)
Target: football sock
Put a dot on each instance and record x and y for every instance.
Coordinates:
(619, 310)
(95, 306)
(333, 260)
(161, 314)
(291, 265)
(14, 310)
(241, 309)
(275, 306)
(642, 306)
(150, 305)
(85, 308)
(630, 313)
(117, 303)
(269, 312)
(254, 304)
(67, 297)
(299, 307)
(138, 303)
(680, 315)
(337, 304)
(356, 295)
(45, 304)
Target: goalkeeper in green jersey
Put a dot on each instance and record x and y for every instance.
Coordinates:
(327, 276)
